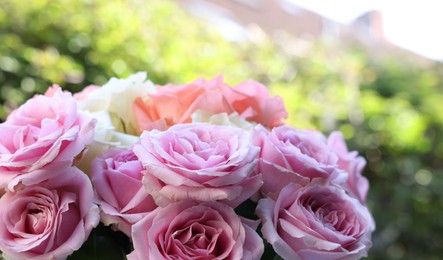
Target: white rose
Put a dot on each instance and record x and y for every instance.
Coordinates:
(116, 97)
(105, 137)
(233, 119)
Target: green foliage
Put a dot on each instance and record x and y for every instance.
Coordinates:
(388, 111)
(103, 244)
(76, 43)
(387, 108)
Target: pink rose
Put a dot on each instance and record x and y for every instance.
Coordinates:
(199, 161)
(316, 222)
(46, 131)
(52, 90)
(86, 92)
(293, 155)
(116, 175)
(352, 164)
(252, 101)
(172, 105)
(49, 220)
(189, 230)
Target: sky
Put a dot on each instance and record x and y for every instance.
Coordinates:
(411, 24)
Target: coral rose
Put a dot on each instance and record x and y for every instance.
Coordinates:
(172, 105)
(252, 101)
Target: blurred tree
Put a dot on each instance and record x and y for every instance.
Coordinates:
(388, 109)
(76, 43)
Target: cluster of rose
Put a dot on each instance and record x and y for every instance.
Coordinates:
(168, 166)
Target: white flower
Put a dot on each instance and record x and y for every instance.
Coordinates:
(112, 106)
(222, 119)
(117, 97)
(105, 138)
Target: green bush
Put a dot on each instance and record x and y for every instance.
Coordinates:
(388, 109)
(76, 43)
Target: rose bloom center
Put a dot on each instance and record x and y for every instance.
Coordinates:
(200, 150)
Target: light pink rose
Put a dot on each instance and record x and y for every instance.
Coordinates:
(117, 178)
(189, 230)
(172, 105)
(352, 164)
(294, 155)
(46, 131)
(316, 222)
(199, 161)
(49, 220)
(86, 92)
(52, 90)
(252, 101)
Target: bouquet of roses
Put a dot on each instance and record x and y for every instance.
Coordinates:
(197, 171)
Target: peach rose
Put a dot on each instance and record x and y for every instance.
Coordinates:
(252, 101)
(172, 105)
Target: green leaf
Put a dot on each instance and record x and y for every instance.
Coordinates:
(247, 209)
(101, 245)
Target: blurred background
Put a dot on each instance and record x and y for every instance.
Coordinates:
(347, 71)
